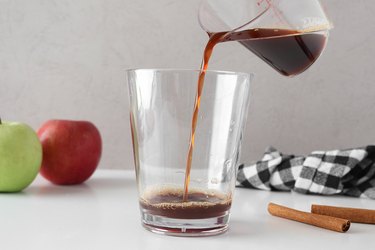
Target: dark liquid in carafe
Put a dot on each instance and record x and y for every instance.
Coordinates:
(287, 51)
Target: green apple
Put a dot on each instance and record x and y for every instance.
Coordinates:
(20, 156)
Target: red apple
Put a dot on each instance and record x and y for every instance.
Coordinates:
(71, 151)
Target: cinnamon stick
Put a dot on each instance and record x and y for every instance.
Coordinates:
(353, 214)
(323, 221)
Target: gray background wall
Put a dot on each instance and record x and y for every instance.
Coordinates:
(66, 58)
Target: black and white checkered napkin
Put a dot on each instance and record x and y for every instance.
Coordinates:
(349, 172)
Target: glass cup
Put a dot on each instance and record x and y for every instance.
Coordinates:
(161, 103)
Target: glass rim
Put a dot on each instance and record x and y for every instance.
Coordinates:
(233, 29)
(324, 27)
(217, 72)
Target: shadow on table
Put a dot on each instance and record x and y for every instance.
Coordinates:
(238, 228)
(58, 190)
(95, 183)
(111, 182)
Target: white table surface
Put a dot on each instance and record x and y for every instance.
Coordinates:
(103, 214)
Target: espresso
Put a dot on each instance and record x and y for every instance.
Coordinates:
(168, 202)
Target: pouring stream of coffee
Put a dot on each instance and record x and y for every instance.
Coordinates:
(289, 52)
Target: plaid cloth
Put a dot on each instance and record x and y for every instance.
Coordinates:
(349, 172)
